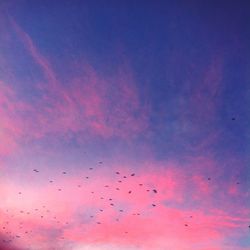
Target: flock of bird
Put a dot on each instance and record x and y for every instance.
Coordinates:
(47, 212)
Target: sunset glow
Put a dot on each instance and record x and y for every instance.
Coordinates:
(124, 125)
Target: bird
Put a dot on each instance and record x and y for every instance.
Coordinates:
(129, 192)
(64, 172)
(133, 174)
(186, 225)
(117, 172)
(209, 178)
(154, 190)
(35, 170)
(153, 205)
(233, 118)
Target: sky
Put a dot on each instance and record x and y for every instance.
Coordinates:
(124, 125)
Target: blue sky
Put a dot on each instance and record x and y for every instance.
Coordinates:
(156, 88)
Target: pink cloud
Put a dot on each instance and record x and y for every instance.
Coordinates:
(105, 106)
(89, 104)
(163, 226)
(38, 57)
(10, 125)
